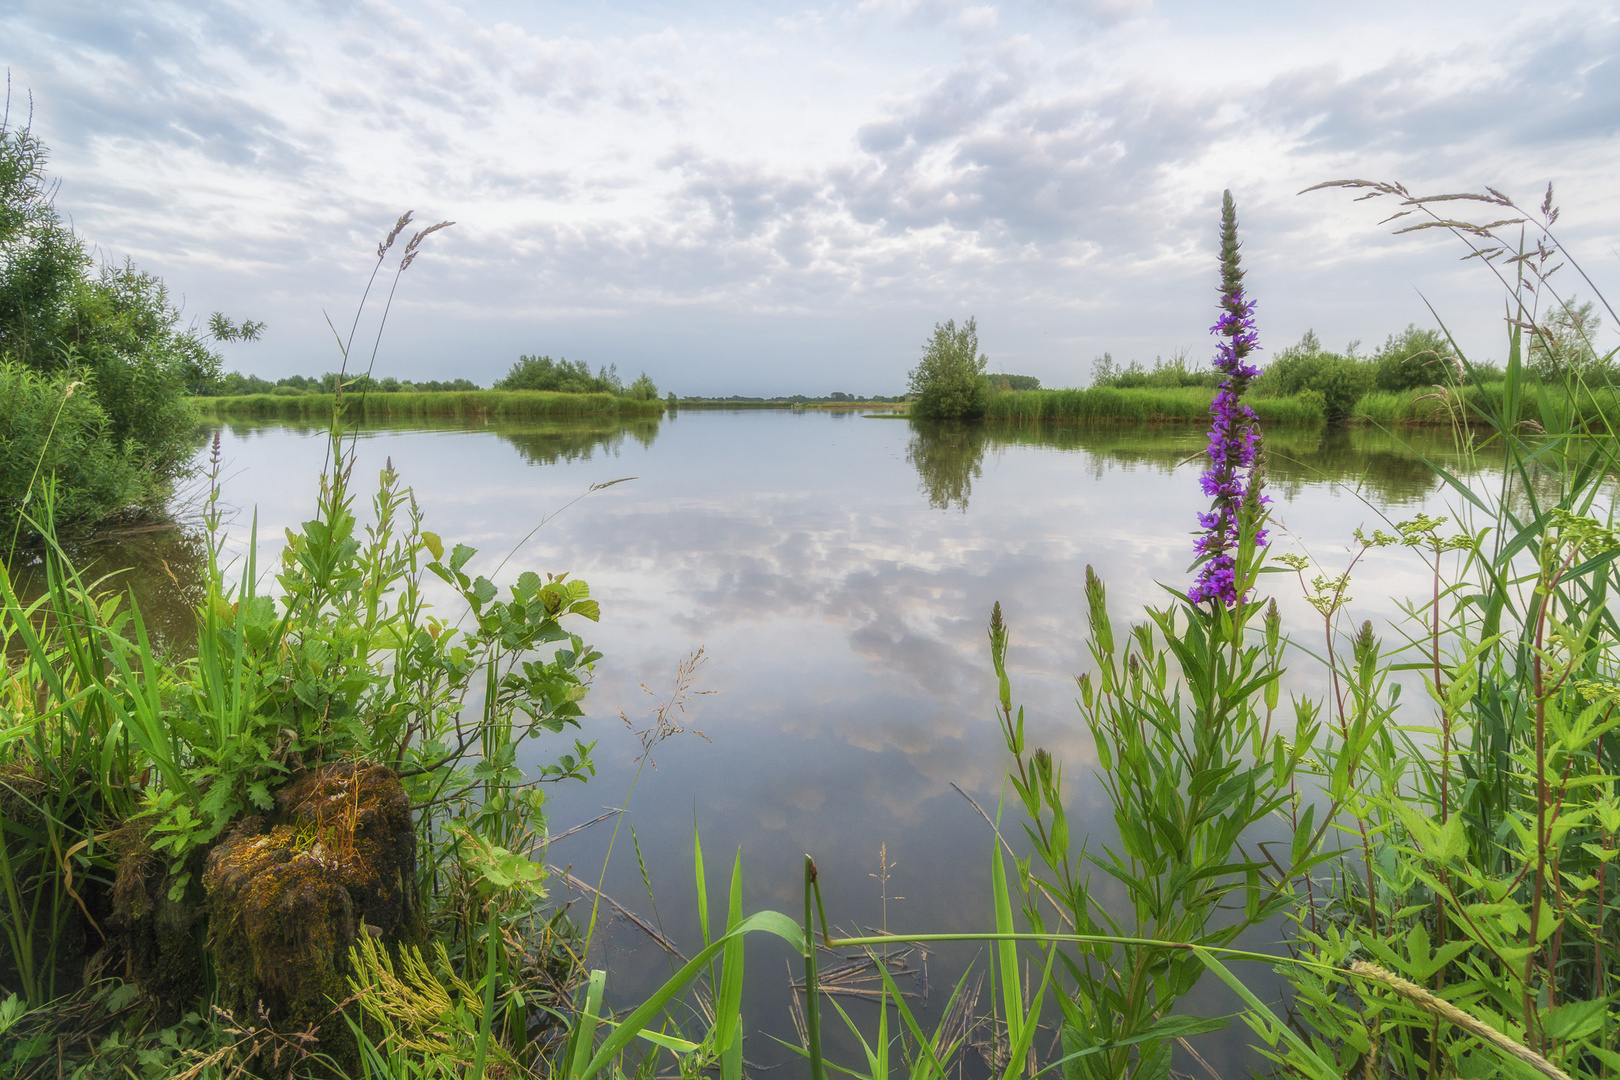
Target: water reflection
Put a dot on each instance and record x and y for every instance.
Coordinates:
(844, 617)
(1386, 468)
(162, 567)
(549, 443)
(538, 442)
(949, 457)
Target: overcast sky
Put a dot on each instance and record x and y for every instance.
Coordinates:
(757, 199)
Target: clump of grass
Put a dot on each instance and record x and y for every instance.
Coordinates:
(1106, 404)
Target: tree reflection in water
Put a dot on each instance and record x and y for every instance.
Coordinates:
(162, 566)
(948, 456)
(1389, 468)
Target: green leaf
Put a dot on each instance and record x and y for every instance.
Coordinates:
(1575, 1019)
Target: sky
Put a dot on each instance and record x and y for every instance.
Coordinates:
(750, 198)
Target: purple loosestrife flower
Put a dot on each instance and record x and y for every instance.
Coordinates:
(1233, 479)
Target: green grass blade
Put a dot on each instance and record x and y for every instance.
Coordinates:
(773, 922)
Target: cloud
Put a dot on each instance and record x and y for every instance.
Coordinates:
(1054, 167)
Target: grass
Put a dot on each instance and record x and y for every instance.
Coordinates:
(490, 404)
(1585, 409)
(1592, 410)
(1184, 405)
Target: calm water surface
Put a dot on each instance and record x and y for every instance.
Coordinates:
(838, 573)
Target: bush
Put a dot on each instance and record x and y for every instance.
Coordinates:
(1561, 347)
(1412, 359)
(55, 429)
(113, 331)
(1341, 380)
(559, 376)
(949, 381)
(643, 389)
(1173, 374)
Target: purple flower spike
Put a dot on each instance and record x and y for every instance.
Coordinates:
(1233, 477)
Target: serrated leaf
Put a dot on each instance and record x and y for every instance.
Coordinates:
(1575, 1019)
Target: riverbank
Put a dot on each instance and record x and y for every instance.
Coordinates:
(493, 404)
(1106, 403)
(1592, 411)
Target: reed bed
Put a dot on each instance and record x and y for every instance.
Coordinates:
(488, 404)
(1105, 403)
(1594, 410)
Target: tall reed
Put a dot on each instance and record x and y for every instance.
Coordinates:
(1107, 404)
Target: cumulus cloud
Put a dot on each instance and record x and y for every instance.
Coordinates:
(1053, 166)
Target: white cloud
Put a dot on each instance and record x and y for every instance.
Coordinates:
(818, 186)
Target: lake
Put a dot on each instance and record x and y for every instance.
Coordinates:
(838, 573)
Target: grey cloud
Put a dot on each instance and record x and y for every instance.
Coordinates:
(1564, 87)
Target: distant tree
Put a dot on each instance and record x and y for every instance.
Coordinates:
(643, 389)
(1103, 370)
(1003, 381)
(1562, 346)
(949, 381)
(235, 384)
(1305, 366)
(1411, 359)
(560, 376)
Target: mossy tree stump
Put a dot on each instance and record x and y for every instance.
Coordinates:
(289, 893)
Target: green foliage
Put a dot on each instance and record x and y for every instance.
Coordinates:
(559, 376)
(1562, 346)
(1003, 381)
(1191, 757)
(1473, 906)
(1341, 380)
(1414, 359)
(55, 435)
(345, 661)
(949, 380)
(643, 389)
(1103, 404)
(1175, 373)
(114, 330)
(236, 384)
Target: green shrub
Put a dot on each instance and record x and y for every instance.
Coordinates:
(559, 376)
(949, 380)
(114, 330)
(643, 389)
(1173, 374)
(54, 433)
(1412, 359)
(1341, 380)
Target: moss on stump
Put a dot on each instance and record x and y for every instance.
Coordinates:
(289, 893)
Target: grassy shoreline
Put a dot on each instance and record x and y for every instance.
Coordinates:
(1596, 411)
(494, 404)
(1106, 403)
